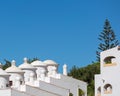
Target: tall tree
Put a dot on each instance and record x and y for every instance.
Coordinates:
(107, 39)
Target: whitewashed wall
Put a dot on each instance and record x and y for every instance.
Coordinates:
(37, 92)
(109, 73)
(6, 92)
(4, 80)
(19, 93)
(53, 88)
(70, 83)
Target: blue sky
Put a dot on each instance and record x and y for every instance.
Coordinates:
(63, 30)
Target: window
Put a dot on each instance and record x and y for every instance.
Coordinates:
(109, 61)
(99, 91)
(10, 83)
(70, 94)
(7, 85)
(108, 89)
(20, 82)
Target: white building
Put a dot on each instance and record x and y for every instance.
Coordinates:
(108, 81)
(39, 79)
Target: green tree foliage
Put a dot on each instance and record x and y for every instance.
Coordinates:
(32, 60)
(7, 64)
(80, 92)
(86, 74)
(107, 39)
(70, 94)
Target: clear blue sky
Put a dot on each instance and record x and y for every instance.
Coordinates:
(63, 30)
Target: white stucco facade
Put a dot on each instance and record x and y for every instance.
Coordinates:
(4, 79)
(107, 82)
(15, 73)
(39, 79)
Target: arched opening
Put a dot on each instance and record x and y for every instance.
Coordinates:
(110, 61)
(80, 92)
(70, 94)
(108, 89)
(99, 91)
(10, 83)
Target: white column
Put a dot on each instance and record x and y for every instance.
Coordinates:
(31, 78)
(54, 71)
(42, 74)
(17, 83)
(64, 69)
